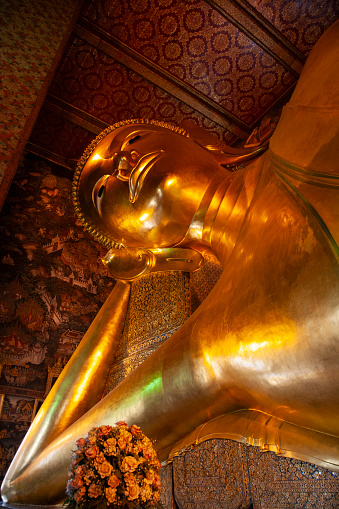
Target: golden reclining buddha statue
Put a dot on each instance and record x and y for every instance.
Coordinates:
(258, 361)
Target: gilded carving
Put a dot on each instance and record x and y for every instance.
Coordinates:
(159, 304)
(212, 475)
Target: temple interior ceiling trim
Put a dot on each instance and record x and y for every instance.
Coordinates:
(226, 65)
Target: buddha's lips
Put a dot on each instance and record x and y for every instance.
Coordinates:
(139, 173)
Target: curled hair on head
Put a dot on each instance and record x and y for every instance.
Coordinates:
(99, 235)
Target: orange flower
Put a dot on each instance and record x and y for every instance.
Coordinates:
(92, 439)
(77, 482)
(94, 491)
(80, 470)
(104, 430)
(132, 492)
(88, 477)
(124, 438)
(146, 442)
(146, 492)
(100, 458)
(92, 452)
(81, 442)
(129, 464)
(147, 453)
(113, 481)
(129, 479)
(137, 448)
(79, 495)
(122, 442)
(110, 448)
(110, 442)
(135, 429)
(149, 477)
(104, 469)
(156, 483)
(110, 495)
(126, 434)
(130, 449)
(138, 462)
(121, 423)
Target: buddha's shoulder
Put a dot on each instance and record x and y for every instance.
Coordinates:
(316, 192)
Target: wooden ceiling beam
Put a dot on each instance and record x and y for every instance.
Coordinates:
(266, 25)
(50, 156)
(160, 77)
(75, 115)
(249, 21)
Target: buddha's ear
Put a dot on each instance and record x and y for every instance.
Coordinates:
(203, 137)
(225, 155)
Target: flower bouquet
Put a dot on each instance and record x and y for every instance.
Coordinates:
(114, 467)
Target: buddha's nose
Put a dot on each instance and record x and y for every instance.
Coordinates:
(123, 164)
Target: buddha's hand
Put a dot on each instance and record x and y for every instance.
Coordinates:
(130, 263)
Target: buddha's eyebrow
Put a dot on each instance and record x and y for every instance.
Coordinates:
(133, 139)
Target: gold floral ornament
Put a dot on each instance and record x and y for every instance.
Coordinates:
(114, 467)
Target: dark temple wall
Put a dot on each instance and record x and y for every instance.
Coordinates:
(52, 285)
(33, 35)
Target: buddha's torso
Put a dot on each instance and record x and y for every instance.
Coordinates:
(271, 321)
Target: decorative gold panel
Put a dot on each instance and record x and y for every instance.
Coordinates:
(203, 280)
(166, 494)
(159, 304)
(282, 483)
(212, 475)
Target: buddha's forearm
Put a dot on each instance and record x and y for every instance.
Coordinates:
(81, 384)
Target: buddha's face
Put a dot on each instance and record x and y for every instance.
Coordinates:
(143, 184)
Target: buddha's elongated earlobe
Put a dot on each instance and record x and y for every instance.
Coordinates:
(130, 263)
(227, 156)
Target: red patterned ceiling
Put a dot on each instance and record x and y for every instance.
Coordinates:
(223, 64)
(108, 90)
(60, 136)
(196, 44)
(301, 22)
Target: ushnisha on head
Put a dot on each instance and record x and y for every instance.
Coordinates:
(140, 183)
